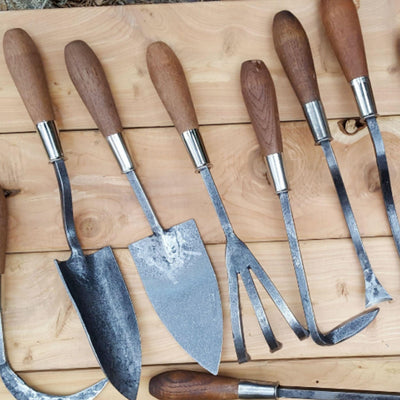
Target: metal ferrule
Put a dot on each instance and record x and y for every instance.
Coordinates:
(365, 98)
(49, 134)
(120, 150)
(316, 118)
(254, 390)
(195, 147)
(277, 171)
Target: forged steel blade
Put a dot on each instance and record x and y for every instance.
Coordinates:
(173, 264)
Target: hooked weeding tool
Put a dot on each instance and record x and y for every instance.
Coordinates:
(260, 99)
(293, 48)
(343, 28)
(94, 282)
(182, 385)
(169, 80)
(173, 264)
(17, 387)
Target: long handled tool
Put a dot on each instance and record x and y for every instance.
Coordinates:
(343, 28)
(173, 264)
(94, 282)
(169, 80)
(182, 385)
(17, 387)
(292, 46)
(259, 95)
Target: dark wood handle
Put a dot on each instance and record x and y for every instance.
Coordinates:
(291, 44)
(90, 81)
(259, 96)
(3, 230)
(26, 68)
(343, 28)
(184, 385)
(168, 78)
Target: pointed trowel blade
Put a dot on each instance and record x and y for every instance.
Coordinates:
(182, 287)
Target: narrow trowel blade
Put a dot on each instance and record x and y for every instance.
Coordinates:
(181, 284)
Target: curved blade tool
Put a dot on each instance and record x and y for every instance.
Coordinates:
(169, 80)
(182, 385)
(343, 28)
(292, 46)
(94, 282)
(259, 95)
(17, 387)
(173, 264)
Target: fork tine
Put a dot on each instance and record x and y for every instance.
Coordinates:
(280, 303)
(236, 318)
(265, 326)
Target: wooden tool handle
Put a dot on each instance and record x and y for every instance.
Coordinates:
(26, 68)
(168, 78)
(90, 81)
(3, 230)
(343, 28)
(259, 96)
(184, 385)
(291, 44)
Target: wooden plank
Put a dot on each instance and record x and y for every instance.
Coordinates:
(356, 373)
(43, 331)
(107, 212)
(218, 37)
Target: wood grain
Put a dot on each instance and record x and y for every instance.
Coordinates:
(218, 37)
(3, 231)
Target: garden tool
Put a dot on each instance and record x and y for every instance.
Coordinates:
(94, 282)
(173, 264)
(169, 80)
(182, 385)
(260, 99)
(17, 387)
(292, 46)
(343, 28)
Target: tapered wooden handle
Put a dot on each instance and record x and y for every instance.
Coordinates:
(90, 81)
(343, 28)
(3, 231)
(26, 68)
(184, 385)
(291, 44)
(259, 96)
(168, 78)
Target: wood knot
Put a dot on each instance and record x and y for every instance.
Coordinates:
(372, 178)
(342, 290)
(351, 126)
(90, 227)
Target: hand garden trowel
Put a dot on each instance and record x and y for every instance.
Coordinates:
(94, 282)
(173, 264)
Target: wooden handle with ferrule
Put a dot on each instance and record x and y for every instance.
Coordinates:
(90, 81)
(3, 230)
(184, 385)
(259, 96)
(293, 48)
(342, 26)
(26, 68)
(168, 78)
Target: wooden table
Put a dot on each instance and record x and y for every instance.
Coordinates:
(45, 340)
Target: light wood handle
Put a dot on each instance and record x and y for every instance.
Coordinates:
(26, 68)
(291, 44)
(343, 28)
(168, 78)
(3, 230)
(259, 96)
(184, 385)
(90, 81)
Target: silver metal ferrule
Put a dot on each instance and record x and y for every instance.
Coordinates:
(120, 150)
(195, 147)
(49, 134)
(364, 97)
(277, 171)
(316, 118)
(254, 390)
